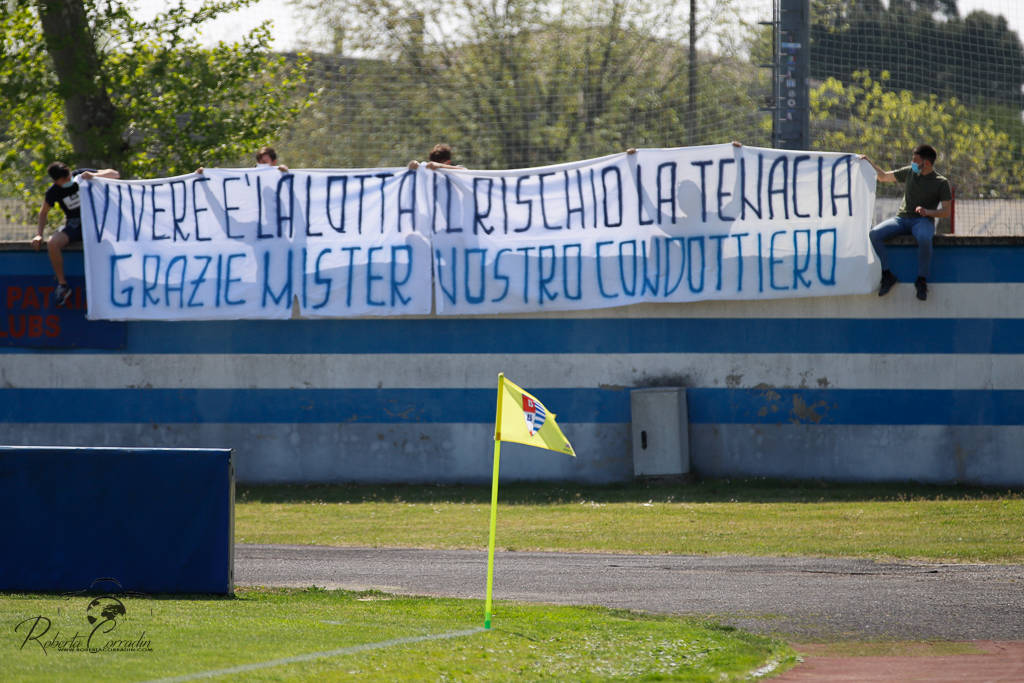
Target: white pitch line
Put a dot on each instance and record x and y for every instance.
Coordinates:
(319, 655)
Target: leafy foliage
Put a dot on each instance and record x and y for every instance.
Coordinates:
(32, 116)
(924, 45)
(522, 82)
(179, 106)
(886, 124)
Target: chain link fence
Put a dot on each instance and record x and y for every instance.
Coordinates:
(942, 72)
(16, 223)
(567, 86)
(884, 78)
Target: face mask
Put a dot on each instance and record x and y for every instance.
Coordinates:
(67, 184)
(914, 167)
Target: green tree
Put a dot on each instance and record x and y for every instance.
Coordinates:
(153, 101)
(924, 45)
(868, 117)
(90, 115)
(526, 82)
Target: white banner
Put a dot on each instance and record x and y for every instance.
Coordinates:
(715, 222)
(247, 243)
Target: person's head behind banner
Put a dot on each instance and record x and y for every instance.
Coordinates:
(441, 153)
(266, 155)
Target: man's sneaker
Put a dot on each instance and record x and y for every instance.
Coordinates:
(888, 280)
(62, 294)
(922, 288)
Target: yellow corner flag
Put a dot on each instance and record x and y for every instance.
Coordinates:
(521, 418)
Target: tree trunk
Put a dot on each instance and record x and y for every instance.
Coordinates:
(91, 116)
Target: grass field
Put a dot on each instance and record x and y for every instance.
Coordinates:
(900, 522)
(528, 642)
(531, 642)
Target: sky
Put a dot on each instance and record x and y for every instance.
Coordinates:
(288, 30)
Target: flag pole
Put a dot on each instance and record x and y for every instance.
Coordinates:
(494, 502)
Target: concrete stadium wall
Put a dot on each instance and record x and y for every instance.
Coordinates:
(843, 388)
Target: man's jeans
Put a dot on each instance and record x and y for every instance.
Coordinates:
(923, 229)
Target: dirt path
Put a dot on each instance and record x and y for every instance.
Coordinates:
(989, 661)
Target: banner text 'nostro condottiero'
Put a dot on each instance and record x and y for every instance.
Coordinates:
(660, 225)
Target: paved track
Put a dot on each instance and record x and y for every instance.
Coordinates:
(800, 599)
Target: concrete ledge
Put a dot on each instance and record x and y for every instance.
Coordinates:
(904, 240)
(26, 245)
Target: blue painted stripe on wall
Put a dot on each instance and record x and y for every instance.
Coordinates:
(961, 264)
(291, 405)
(38, 263)
(410, 406)
(953, 263)
(856, 406)
(578, 335)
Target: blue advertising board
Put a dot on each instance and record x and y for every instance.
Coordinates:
(151, 520)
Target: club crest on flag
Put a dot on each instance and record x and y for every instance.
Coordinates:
(534, 413)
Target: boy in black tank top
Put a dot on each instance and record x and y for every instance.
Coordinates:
(64, 191)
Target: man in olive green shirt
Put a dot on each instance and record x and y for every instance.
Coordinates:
(924, 190)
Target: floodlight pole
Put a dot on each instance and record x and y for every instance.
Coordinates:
(793, 108)
(790, 104)
(691, 127)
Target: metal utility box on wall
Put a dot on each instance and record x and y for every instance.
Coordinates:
(661, 445)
